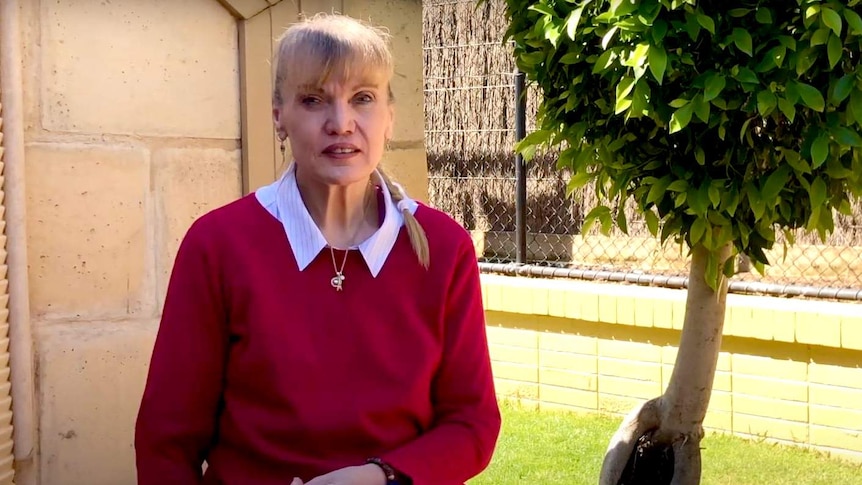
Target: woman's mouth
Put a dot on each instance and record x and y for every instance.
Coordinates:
(341, 149)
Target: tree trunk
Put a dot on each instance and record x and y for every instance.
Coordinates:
(674, 421)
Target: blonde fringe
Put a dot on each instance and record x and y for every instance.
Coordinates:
(418, 238)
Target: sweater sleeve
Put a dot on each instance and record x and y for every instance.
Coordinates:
(177, 416)
(467, 421)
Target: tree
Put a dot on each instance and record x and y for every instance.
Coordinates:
(725, 122)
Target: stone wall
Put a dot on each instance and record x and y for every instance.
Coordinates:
(133, 128)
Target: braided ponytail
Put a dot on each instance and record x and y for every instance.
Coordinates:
(418, 239)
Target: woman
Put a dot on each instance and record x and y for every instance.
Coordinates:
(326, 330)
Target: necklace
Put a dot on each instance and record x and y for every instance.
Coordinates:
(337, 281)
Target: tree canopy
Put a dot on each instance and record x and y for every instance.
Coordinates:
(726, 121)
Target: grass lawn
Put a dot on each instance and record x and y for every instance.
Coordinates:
(556, 447)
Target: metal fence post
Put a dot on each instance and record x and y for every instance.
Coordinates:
(520, 171)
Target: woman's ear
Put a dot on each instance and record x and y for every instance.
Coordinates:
(276, 120)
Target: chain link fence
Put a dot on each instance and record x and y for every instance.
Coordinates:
(470, 118)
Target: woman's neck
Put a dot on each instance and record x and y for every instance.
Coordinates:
(346, 216)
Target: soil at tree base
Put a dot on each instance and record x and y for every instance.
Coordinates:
(651, 463)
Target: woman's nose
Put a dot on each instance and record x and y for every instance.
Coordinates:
(340, 119)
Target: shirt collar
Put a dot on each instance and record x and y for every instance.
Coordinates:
(305, 237)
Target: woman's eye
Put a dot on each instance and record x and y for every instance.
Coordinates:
(364, 98)
(310, 101)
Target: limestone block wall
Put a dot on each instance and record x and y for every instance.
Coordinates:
(139, 116)
(132, 131)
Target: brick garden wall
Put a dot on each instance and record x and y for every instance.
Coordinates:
(789, 370)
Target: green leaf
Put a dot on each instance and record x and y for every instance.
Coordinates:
(714, 85)
(623, 7)
(621, 220)
(701, 109)
(714, 195)
(804, 61)
(578, 180)
(571, 58)
(766, 102)
(763, 16)
(744, 130)
(773, 58)
(739, 12)
(625, 86)
(835, 170)
(706, 22)
(811, 97)
(639, 100)
(787, 108)
(854, 21)
(819, 150)
(698, 228)
(700, 156)
(680, 118)
(543, 9)
(856, 105)
(717, 219)
(572, 22)
(657, 59)
(730, 200)
(603, 62)
(834, 50)
(651, 222)
(846, 136)
(817, 193)
(606, 39)
(678, 186)
(843, 88)
(698, 199)
(527, 146)
(670, 227)
(845, 208)
(638, 55)
(622, 104)
(742, 40)
(795, 161)
(820, 37)
(776, 181)
(656, 192)
(729, 268)
(755, 201)
(602, 213)
(831, 19)
(678, 103)
(746, 75)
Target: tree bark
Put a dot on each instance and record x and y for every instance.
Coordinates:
(676, 418)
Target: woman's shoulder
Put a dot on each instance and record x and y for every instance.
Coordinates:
(441, 229)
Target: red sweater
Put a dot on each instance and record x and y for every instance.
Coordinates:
(267, 373)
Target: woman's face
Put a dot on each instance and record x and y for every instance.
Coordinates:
(338, 130)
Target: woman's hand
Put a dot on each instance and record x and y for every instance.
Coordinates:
(353, 475)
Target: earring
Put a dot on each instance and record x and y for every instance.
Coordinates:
(281, 147)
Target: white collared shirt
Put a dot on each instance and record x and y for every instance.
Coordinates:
(282, 199)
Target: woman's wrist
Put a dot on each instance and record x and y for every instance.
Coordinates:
(391, 475)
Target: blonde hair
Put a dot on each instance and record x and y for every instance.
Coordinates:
(316, 48)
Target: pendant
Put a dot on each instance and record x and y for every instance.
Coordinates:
(337, 281)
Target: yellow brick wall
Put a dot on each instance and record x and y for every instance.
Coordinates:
(788, 371)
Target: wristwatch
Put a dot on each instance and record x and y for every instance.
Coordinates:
(391, 475)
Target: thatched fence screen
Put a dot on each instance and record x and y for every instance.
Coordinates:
(470, 109)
